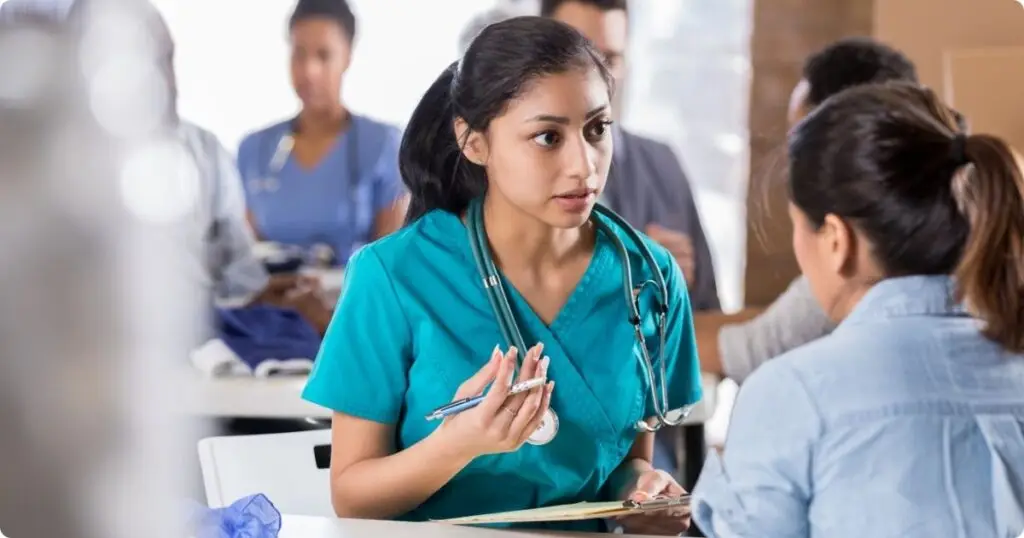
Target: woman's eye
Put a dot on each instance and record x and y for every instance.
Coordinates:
(546, 139)
(599, 129)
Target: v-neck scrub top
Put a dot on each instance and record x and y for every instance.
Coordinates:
(414, 322)
(335, 201)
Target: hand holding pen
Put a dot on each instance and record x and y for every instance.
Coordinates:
(500, 422)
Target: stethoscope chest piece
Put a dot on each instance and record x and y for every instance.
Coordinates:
(546, 432)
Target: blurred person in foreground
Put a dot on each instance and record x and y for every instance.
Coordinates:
(735, 345)
(908, 419)
(87, 440)
(647, 186)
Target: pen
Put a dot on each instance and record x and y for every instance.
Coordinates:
(464, 404)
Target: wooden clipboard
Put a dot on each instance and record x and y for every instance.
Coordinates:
(575, 512)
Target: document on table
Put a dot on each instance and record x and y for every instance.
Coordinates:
(574, 512)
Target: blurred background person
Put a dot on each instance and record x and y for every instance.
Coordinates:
(506, 9)
(225, 260)
(647, 186)
(327, 180)
(735, 345)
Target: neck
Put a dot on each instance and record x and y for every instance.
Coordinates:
(325, 121)
(520, 241)
(847, 299)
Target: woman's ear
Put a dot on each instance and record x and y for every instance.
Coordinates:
(838, 244)
(472, 143)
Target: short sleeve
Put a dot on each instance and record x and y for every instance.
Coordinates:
(363, 363)
(682, 365)
(387, 180)
(761, 485)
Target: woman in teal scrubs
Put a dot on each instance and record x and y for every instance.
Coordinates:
(327, 177)
(521, 123)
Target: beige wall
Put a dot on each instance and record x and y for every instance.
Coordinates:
(988, 86)
(970, 51)
(926, 29)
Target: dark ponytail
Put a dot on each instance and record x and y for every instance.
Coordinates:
(500, 62)
(893, 161)
(430, 157)
(990, 192)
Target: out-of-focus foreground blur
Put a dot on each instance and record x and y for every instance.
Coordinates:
(93, 311)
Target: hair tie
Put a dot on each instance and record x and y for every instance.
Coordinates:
(958, 150)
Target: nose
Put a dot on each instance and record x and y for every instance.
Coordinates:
(580, 158)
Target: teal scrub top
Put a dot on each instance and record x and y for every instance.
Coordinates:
(414, 322)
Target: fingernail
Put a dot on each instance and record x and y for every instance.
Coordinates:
(513, 352)
(497, 351)
(551, 386)
(544, 365)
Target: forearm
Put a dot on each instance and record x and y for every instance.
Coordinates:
(707, 327)
(624, 477)
(384, 488)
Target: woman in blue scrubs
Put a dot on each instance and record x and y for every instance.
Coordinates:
(521, 123)
(327, 177)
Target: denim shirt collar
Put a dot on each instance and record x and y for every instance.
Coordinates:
(907, 296)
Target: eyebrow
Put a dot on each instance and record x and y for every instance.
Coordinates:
(564, 120)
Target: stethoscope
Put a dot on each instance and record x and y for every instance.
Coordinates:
(321, 253)
(283, 151)
(498, 299)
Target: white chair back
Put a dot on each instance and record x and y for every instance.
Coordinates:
(291, 469)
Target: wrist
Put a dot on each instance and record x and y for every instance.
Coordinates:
(624, 478)
(450, 448)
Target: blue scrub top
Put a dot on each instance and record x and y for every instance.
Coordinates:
(413, 323)
(333, 203)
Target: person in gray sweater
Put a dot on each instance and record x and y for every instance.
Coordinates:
(735, 345)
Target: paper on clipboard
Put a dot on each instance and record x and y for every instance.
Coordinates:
(574, 512)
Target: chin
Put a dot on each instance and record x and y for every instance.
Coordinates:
(566, 220)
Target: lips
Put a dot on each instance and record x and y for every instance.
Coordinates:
(576, 201)
(577, 193)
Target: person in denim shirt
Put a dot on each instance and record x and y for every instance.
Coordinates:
(908, 420)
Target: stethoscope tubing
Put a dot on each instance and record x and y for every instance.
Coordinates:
(498, 299)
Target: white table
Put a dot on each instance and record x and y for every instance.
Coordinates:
(249, 397)
(280, 397)
(317, 527)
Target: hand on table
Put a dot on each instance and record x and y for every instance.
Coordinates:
(679, 245)
(668, 522)
(309, 305)
(501, 423)
(280, 286)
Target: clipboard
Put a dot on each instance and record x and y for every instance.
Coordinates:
(575, 512)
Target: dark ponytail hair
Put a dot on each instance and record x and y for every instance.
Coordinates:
(931, 199)
(497, 67)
